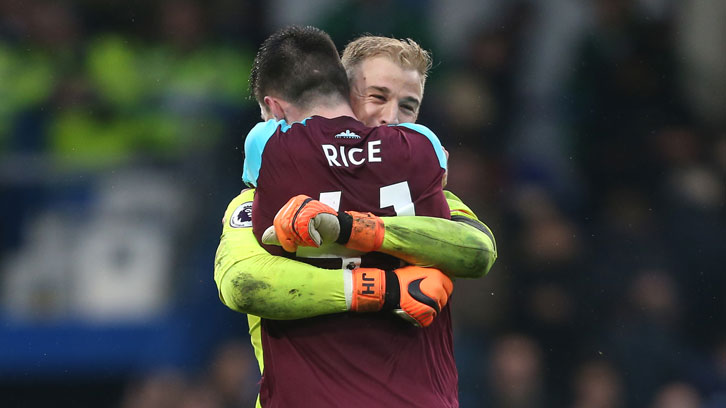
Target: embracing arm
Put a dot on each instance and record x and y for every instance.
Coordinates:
(462, 247)
(250, 280)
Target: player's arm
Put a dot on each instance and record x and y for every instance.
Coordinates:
(462, 247)
(250, 280)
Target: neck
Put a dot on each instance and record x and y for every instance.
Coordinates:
(330, 112)
(327, 108)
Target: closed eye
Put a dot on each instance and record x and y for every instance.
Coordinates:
(378, 97)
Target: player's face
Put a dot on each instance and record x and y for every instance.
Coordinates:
(383, 93)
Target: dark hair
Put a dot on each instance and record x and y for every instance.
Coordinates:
(300, 65)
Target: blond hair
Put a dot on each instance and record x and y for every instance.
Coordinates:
(406, 53)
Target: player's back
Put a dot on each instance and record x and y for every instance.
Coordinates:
(370, 359)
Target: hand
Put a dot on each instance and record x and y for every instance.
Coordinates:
(303, 221)
(414, 293)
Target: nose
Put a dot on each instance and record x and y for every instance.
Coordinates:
(389, 114)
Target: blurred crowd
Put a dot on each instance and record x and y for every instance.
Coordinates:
(589, 135)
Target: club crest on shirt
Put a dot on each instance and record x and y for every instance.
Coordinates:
(347, 135)
(242, 216)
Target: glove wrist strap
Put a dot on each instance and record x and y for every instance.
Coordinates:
(369, 290)
(346, 227)
(393, 292)
(361, 231)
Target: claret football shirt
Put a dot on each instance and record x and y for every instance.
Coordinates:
(350, 359)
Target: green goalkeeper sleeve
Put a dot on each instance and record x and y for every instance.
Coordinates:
(252, 281)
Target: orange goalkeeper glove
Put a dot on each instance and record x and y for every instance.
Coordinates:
(303, 221)
(414, 293)
(298, 223)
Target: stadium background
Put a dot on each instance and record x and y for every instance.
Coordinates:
(590, 136)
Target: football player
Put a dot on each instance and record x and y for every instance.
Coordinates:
(341, 353)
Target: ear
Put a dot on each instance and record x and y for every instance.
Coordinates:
(275, 107)
(265, 113)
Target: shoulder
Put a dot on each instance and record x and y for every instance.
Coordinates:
(258, 138)
(418, 128)
(255, 143)
(262, 132)
(415, 129)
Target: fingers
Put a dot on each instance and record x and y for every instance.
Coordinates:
(424, 293)
(438, 286)
(303, 221)
(308, 215)
(326, 226)
(286, 238)
(314, 235)
(283, 226)
(269, 237)
(323, 228)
